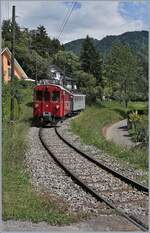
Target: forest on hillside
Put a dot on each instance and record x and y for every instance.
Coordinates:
(136, 40)
(121, 74)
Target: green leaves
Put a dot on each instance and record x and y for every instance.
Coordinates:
(90, 59)
(123, 68)
(67, 61)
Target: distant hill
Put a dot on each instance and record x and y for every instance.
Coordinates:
(137, 40)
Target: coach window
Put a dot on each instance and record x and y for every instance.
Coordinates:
(39, 95)
(55, 96)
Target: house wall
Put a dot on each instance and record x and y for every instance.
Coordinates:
(6, 66)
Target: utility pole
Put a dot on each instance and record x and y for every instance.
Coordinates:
(12, 65)
(64, 78)
(36, 69)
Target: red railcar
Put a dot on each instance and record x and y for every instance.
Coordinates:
(51, 102)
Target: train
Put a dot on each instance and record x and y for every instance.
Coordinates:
(52, 102)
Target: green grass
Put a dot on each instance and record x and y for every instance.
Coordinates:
(89, 127)
(19, 200)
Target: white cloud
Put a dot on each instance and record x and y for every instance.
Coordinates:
(96, 18)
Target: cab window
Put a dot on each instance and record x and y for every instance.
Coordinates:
(46, 96)
(38, 95)
(55, 96)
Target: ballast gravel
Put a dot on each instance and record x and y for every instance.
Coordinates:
(47, 176)
(82, 167)
(120, 166)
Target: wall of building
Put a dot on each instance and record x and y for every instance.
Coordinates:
(6, 68)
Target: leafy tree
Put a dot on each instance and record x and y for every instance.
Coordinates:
(86, 84)
(90, 59)
(43, 44)
(6, 30)
(67, 61)
(123, 69)
(56, 46)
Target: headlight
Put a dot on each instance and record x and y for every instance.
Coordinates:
(57, 106)
(36, 105)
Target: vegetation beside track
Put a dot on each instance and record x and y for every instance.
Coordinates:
(89, 127)
(19, 200)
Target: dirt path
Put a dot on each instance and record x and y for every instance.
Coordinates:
(118, 134)
(101, 223)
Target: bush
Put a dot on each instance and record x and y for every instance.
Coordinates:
(139, 126)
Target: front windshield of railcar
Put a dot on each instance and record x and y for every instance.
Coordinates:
(46, 96)
(39, 95)
(55, 96)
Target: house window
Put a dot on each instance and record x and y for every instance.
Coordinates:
(9, 73)
(54, 75)
(8, 62)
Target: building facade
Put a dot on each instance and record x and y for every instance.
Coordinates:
(6, 67)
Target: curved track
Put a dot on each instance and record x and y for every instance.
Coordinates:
(123, 195)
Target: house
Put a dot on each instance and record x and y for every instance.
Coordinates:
(6, 67)
(56, 75)
(69, 83)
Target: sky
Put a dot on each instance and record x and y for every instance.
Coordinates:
(95, 18)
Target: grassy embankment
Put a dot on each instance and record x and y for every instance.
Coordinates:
(20, 201)
(89, 127)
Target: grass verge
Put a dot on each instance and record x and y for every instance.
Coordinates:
(19, 200)
(89, 127)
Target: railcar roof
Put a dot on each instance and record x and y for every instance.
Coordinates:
(54, 85)
(62, 88)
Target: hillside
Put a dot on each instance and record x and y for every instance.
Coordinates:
(137, 40)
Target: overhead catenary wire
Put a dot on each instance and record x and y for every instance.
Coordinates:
(74, 4)
(66, 15)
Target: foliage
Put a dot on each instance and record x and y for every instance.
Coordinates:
(134, 117)
(138, 43)
(67, 61)
(139, 127)
(86, 84)
(123, 68)
(136, 40)
(43, 44)
(90, 60)
(33, 50)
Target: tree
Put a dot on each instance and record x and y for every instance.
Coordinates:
(56, 46)
(90, 59)
(86, 84)
(67, 61)
(43, 44)
(123, 69)
(7, 32)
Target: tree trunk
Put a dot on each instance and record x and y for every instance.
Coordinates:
(126, 103)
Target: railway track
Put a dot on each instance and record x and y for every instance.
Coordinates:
(128, 198)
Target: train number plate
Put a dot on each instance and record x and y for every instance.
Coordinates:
(46, 113)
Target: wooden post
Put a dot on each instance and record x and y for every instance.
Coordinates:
(12, 65)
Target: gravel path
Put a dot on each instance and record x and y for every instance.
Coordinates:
(118, 133)
(99, 224)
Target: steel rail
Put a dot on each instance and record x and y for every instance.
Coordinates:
(132, 219)
(127, 180)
